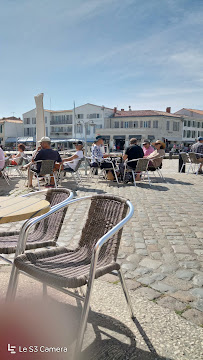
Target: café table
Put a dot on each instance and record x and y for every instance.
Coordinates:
(20, 208)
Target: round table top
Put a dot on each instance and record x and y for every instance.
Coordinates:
(21, 208)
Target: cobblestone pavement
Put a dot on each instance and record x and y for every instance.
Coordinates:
(161, 250)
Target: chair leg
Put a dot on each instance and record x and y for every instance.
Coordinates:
(84, 316)
(134, 178)
(44, 290)
(13, 284)
(148, 178)
(126, 293)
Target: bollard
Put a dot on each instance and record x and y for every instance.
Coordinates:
(180, 164)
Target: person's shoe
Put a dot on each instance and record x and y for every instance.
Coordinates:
(49, 186)
(200, 172)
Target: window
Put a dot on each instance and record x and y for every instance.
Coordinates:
(176, 126)
(80, 116)
(185, 123)
(149, 124)
(168, 125)
(193, 134)
(63, 119)
(188, 123)
(79, 129)
(93, 116)
(188, 133)
(45, 119)
(126, 125)
(27, 121)
(1, 128)
(198, 124)
(121, 124)
(141, 124)
(116, 124)
(194, 123)
(155, 124)
(47, 131)
(202, 124)
(145, 124)
(184, 133)
(135, 124)
(34, 120)
(130, 124)
(98, 126)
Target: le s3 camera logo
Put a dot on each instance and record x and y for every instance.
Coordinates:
(12, 349)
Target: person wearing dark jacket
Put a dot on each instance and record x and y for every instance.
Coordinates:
(132, 152)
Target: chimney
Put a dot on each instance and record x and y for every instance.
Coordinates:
(168, 110)
(122, 110)
(114, 110)
(129, 107)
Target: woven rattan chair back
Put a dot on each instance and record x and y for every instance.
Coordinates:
(193, 158)
(52, 225)
(185, 157)
(142, 165)
(104, 213)
(46, 167)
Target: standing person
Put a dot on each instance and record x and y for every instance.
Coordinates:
(156, 155)
(46, 153)
(197, 148)
(15, 158)
(147, 148)
(133, 151)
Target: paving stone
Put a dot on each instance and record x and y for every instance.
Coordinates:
(132, 284)
(198, 251)
(140, 246)
(128, 266)
(183, 249)
(197, 292)
(152, 247)
(183, 296)
(156, 255)
(198, 304)
(162, 287)
(142, 252)
(149, 293)
(149, 279)
(189, 264)
(141, 271)
(171, 303)
(135, 258)
(152, 264)
(193, 315)
(198, 280)
(184, 274)
(168, 268)
(110, 278)
(186, 257)
(178, 283)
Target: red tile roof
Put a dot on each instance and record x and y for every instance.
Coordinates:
(195, 111)
(143, 113)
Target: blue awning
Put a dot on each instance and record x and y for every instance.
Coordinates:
(11, 140)
(26, 139)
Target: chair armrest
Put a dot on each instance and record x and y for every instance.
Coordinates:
(35, 193)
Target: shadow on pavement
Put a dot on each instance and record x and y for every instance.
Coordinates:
(5, 189)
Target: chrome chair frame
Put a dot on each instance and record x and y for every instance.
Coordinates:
(194, 162)
(136, 170)
(13, 282)
(49, 174)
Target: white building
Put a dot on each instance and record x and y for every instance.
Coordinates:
(62, 125)
(10, 129)
(192, 124)
(142, 124)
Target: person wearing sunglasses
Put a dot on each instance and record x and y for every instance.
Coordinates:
(157, 155)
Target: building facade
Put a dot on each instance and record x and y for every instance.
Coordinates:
(10, 129)
(192, 124)
(61, 126)
(142, 124)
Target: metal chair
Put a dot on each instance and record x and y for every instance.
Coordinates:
(5, 172)
(17, 167)
(194, 161)
(142, 166)
(185, 159)
(112, 167)
(46, 170)
(95, 255)
(74, 172)
(157, 168)
(46, 232)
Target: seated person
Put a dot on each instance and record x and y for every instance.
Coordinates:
(156, 155)
(197, 148)
(15, 158)
(2, 159)
(70, 163)
(98, 156)
(133, 151)
(147, 148)
(46, 153)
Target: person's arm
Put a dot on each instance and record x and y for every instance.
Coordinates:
(125, 157)
(71, 158)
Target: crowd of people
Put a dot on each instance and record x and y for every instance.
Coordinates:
(153, 152)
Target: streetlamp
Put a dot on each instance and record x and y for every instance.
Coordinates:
(86, 123)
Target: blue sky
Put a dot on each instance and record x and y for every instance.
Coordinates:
(143, 53)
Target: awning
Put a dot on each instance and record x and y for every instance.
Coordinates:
(151, 137)
(173, 138)
(138, 137)
(119, 137)
(26, 139)
(59, 140)
(11, 140)
(106, 137)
